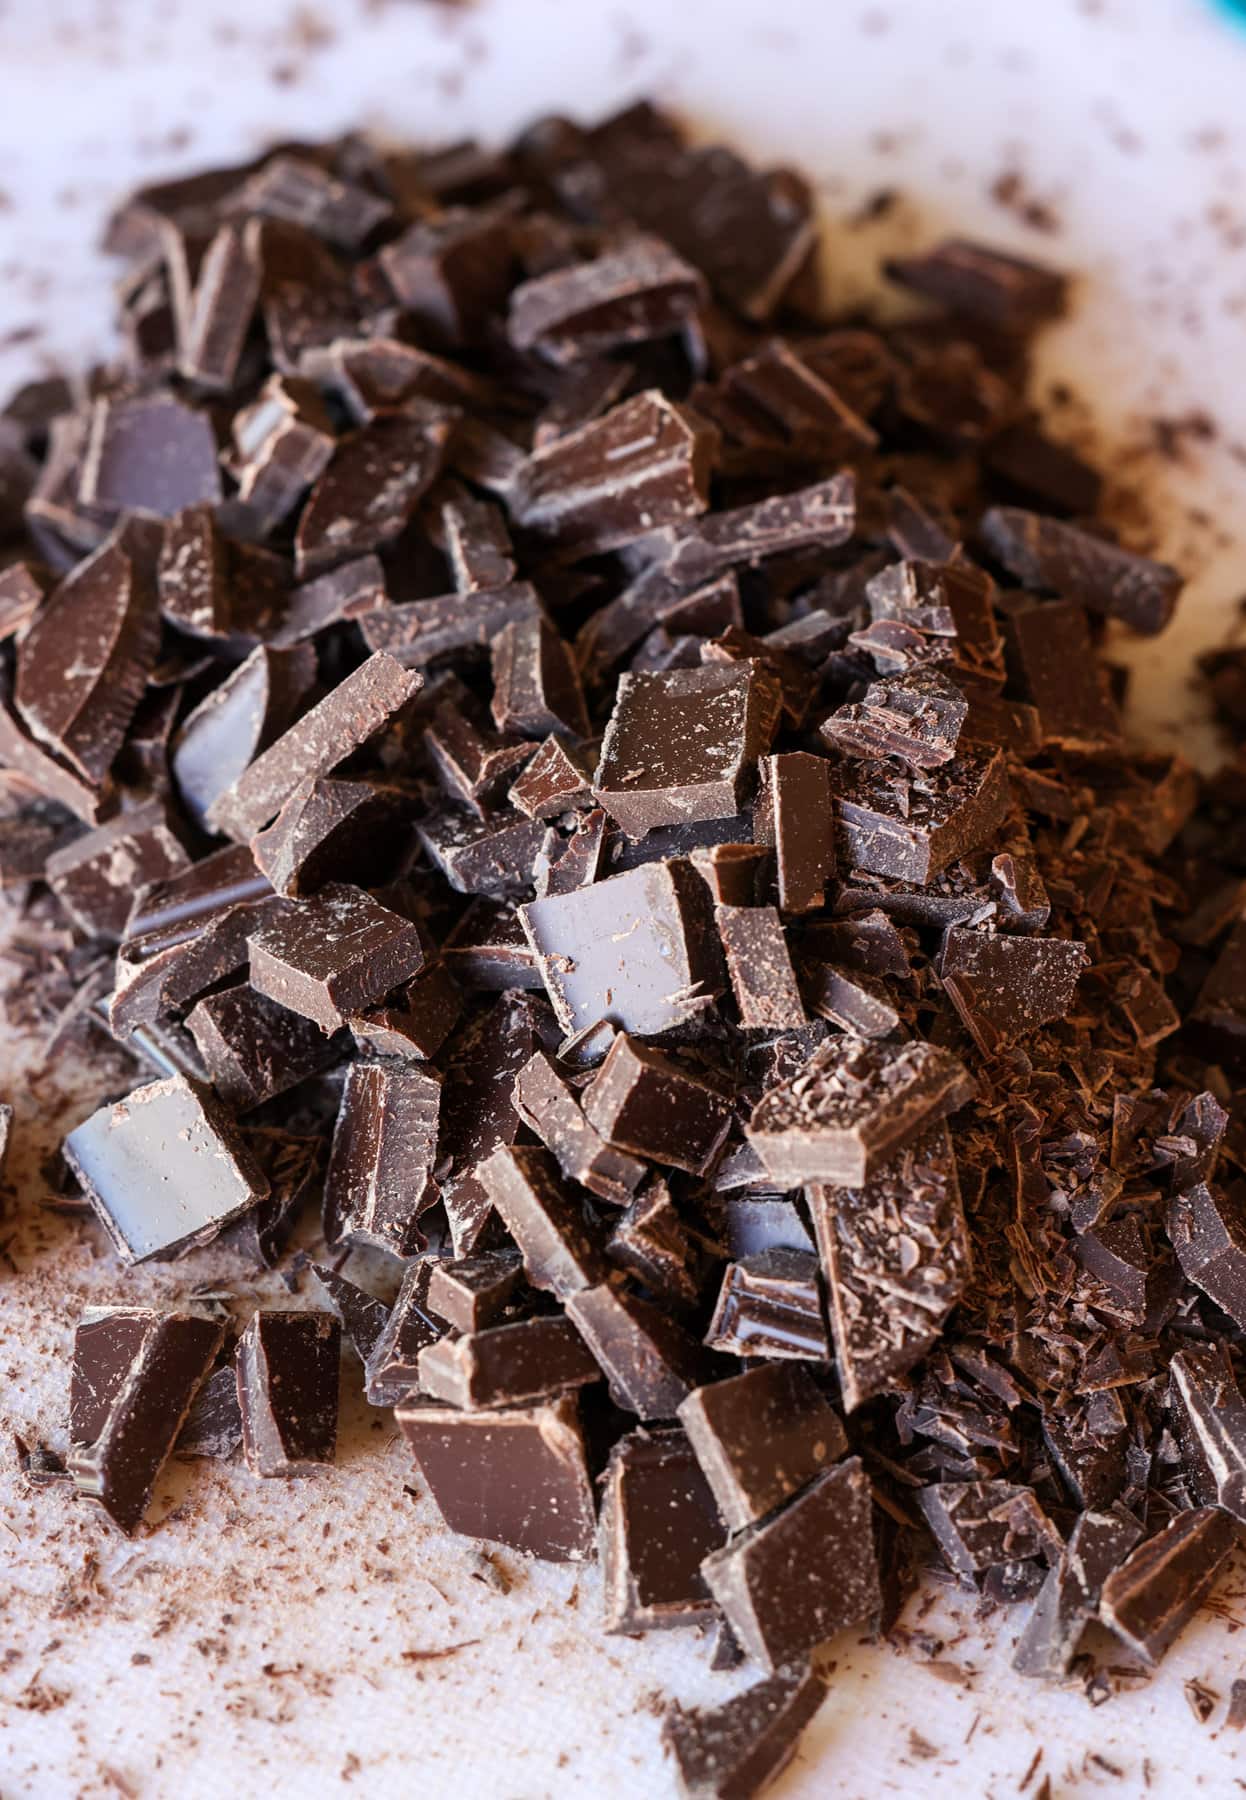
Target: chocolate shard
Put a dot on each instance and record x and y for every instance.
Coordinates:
(164, 1169)
(474, 1291)
(658, 1523)
(769, 1305)
(682, 744)
(391, 1367)
(1052, 657)
(944, 599)
(371, 488)
(651, 1240)
(793, 1580)
(911, 828)
(1004, 988)
(149, 453)
(1078, 565)
(794, 815)
(354, 711)
(237, 721)
(477, 544)
(637, 292)
(645, 1102)
(217, 316)
(518, 1476)
(760, 967)
(734, 875)
(352, 591)
(1209, 1418)
(643, 465)
(917, 718)
(734, 1751)
(649, 1361)
(1207, 1229)
(1218, 1018)
(536, 686)
(135, 1374)
(551, 1109)
(472, 764)
(83, 662)
(363, 1317)
(254, 1049)
(478, 1111)
(896, 1256)
(560, 1253)
(851, 1107)
(1149, 1598)
(300, 192)
(981, 1525)
(380, 1177)
(856, 1003)
(507, 1365)
(283, 443)
(328, 830)
(214, 1422)
(820, 517)
(1069, 1597)
(494, 855)
(1006, 291)
(452, 271)
(287, 1367)
(633, 950)
(194, 573)
(761, 1437)
(96, 877)
(554, 782)
(417, 632)
(335, 955)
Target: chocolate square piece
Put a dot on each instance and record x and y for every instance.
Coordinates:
(371, 488)
(681, 744)
(794, 815)
(253, 1049)
(658, 1524)
(507, 1365)
(911, 827)
(149, 453)
(665, 1254)
(769, 1305)
(761, 1437)
(560, 1252)
(380, 1176)
(472, 1292)
(97, 876)
(981, 1525)
(536, 685)
(287, 1365)
(645, 1102)
(640, 291)
(1006, 291)
(478, 1110)
(517, 1476)
(335, 955)
(1052, 657)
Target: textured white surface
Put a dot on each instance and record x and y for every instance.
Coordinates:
(279, 1621)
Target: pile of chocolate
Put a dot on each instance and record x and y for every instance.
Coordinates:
(608, 776)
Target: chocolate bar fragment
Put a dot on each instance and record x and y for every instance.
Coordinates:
(652, 1241)
(380, 1177)
(761, 1437)
(658, 1523)
(473, 1292)
(644, 1102)
(517, 1476)
(451, 271)
(560, 1253)
(481, 856)
(417, 632)
(236, 722)
(391, 1367)
(790, 1582)
(916, 717)
(135, 1374)
(944, 599)
(640, 291)
(856, 1003)
(253, 1049)
(363, 1317)
(326, 831)
(212, 334)
(552, 783)
(910, 829)
(649, 1361)
(1004, 988)
(478, 1111)
(1069, 1597)
(287, 1365)
(214, 1423)
(551, 1109)
(96, 877)
(335, 955)
(852, 1106)
(148, 453)
(769, 1305)
(1207, 1229)
(1149, 1598)
(1053, 658)
(681, 744)
(760, 967)
(164, 1169)
(1078, 565)
(1209, 1419)
(733, 873)
(794, 815)
(1005, 291)
(284, 442)
(727, 1752)
(371, 488)
(1219, 1014)
(980, 1525)
(299, 191)
(896, 1256)
(536, 686)
(507, 1365)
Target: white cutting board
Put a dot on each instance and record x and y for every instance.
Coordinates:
(277, 1616)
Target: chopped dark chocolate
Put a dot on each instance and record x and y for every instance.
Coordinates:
(761, 1437)
(770, 1305)
(380, 1176)
(760, 967)
(370, 489)
(1207, 1228)
(507, 1365)
(1005, 291)
(1149, 1598)
(252, 1048)
(794, 815)
(552, 783)
(1051, 654)
(1078, 565)
(1069, 1597)
(214, 1423)
(363, 1316)
(552, 1109)
(645, 1102)
(1209, 1419)
(148, 453)
(649, 1361)
(640, 291)
(536, 686)
(473, 1292)
(734, 1751)
(912, 827)
(1004, 988)
(287, 1365)
(560, 1252)
(980, 1525)
(237, 721)
(335, 954)
(652, 1241)
(658, 1523)
(391, 1367)
(96, 877)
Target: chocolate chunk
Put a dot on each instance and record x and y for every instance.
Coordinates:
(283, 443)
(335, 955)
(1004, 988)
(658, 1523)
(737, 1749)
(517, 1476)
(626, 296)
(896, 1257)
(1209, 1418)
(149, 453)
(753, 1223)
(1219, 1013)
(1050, 649)
(1029, 468)
(1005, 291)
(473, 1292)
(980, 1525)
(391, 1367)
(237, 721)
(643, 465)
(1207, 1228)
(536, 687)
(487, 948)
(818, 517)
(422, 631)
(856, 1003)
(214, 1423)
(252, 1048)
(1064, 559)
(478, 1111)
(1069, 1597)
(451, 271)
(549, 1107)
(326, 831)
(560, 1253)
(287, 1367)
(217, 316)
(760, 1438)
(652, 1241)
(194, 574)
(769, 1305)
(23, 587)
(644, 1102)
(135, 1375)
(916, 717)
(650, 1362)
(634, 950)
(370, 489)
(733, 874)
(792, 1581)
(762, 978)
(852, 1106)
(794, 814)
(912, 828)
(164, 1169)
(293, 1164)
(507, 1365)
(481, 856)
(472, 764)
(363, 1317)
(552, 783)
(300, 192)
(353, 590)
(96, 877)
(477, 544)
(380, 1176)
(1149, 1599)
